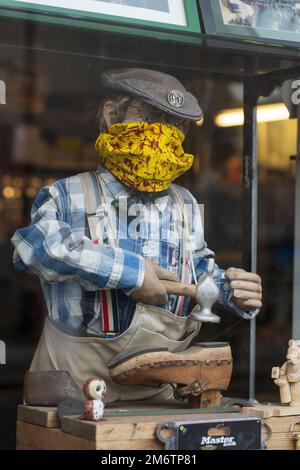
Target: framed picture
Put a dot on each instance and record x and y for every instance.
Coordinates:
(264, 21)
(172, 16)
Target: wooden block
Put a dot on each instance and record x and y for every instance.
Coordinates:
(133, 431)
(129, 432)
(113, 429)
(275, 374)
(280, 441)
(136, 427)
(148, 444)
(207, 399)
(284, 424)
(31, 436)
(261, 411)
(286, 411)
(279, 419)
(266, 411)
(41, 416)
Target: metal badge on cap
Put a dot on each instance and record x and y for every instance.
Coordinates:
(176, 98)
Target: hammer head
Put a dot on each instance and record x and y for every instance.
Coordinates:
(207, 293)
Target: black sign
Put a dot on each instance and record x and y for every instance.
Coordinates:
(232, 434)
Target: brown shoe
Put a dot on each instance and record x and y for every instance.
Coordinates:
(205, 366)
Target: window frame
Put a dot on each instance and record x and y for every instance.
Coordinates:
(110, 23)
(213, 22)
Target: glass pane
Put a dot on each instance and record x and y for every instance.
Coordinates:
(49, 125)
(274, 15)
(160, 11)
(160, 5)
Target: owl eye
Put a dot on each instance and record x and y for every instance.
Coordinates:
(98, 388)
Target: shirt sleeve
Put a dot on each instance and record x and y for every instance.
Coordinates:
(201, 254)
(49, 248)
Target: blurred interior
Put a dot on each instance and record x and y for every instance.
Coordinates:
(48, 128)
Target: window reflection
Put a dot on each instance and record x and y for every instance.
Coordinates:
(159, 5)
(48, 128)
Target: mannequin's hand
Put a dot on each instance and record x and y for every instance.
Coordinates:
(152, 291)
(247, 289)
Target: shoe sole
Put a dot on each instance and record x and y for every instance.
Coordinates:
(214, 365)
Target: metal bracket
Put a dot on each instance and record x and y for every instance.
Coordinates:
(170, 441)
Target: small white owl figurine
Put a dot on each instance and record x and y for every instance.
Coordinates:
(94, 390)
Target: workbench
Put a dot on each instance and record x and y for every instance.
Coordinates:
(132, 426)
(125, 427)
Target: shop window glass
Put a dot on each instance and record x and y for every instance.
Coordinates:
(47, 131)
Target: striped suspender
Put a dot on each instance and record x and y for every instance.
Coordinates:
(95, 208)
(186, 258)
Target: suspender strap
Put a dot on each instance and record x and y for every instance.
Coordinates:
(186, 255)
(95, 212)
(93, 207)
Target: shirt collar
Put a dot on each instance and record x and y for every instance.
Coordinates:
(116, 188)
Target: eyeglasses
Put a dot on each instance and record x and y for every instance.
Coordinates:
(148, 113)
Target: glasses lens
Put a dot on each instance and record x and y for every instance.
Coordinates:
(180, 123)
(174, 120)
(149, 113)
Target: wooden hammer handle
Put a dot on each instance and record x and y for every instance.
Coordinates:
(179, 288)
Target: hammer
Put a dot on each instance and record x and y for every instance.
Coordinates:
(205, 293)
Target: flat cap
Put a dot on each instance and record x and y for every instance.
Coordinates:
(155, 88)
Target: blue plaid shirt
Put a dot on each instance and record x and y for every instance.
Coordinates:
(72, 269)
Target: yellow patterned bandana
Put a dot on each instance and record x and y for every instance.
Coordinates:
(146, 156)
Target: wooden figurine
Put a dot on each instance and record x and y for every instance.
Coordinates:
(287, 377)
(94, 390)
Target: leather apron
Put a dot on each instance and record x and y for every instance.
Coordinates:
(151, 326)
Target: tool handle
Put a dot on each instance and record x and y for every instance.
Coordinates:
(275, 373)
(179, 288)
